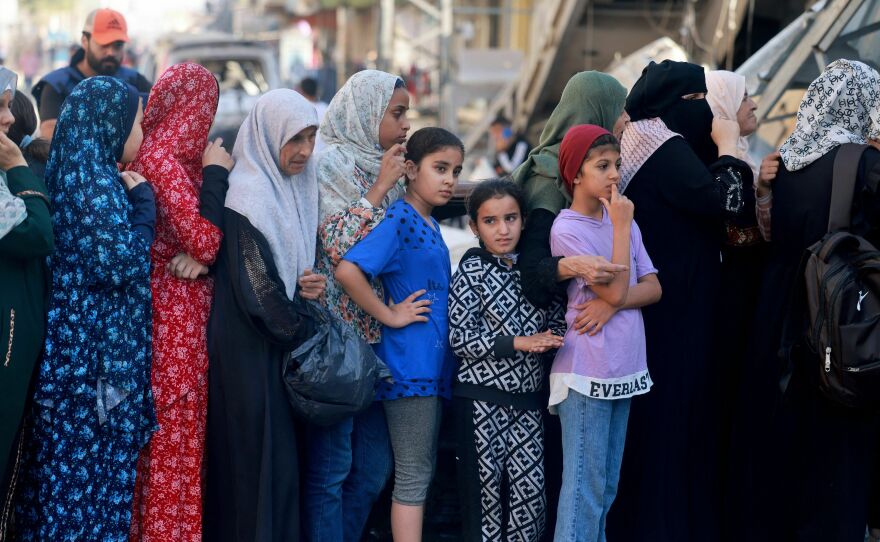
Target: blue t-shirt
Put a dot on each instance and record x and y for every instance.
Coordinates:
(409, 255)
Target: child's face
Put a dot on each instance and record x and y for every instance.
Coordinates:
(395, 125)
(598, 173)
(499, 224)
(433, 179)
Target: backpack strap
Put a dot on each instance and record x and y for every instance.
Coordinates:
(843, 185)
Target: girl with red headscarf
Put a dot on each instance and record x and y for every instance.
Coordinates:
(596, 375)
(189, 177)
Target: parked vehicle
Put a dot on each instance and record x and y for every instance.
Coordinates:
(244, 70)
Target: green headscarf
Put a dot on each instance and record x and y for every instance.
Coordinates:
(588, 98)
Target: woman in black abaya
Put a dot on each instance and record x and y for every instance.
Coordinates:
(680, 172)
(270, 228)
(812, 461)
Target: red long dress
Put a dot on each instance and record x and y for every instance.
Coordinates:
(168, 491)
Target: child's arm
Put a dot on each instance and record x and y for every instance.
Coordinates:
(466, 337)
(356, 285)
(620, 211)
(596, 312)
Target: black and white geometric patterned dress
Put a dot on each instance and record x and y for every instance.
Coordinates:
(497, 400)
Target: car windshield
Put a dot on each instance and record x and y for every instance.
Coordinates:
(242, 74)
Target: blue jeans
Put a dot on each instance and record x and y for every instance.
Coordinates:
(593, 435)
(347, 466)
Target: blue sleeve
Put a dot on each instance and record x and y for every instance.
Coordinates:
(377, 253)
(143, 216)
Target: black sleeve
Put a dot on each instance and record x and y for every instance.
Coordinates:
(143, 218)
(866, 205)
(50, 103)
(719, 191)
(539, 270)
(259, 288)
(212, 196)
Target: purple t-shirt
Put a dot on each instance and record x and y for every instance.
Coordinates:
(611, 364)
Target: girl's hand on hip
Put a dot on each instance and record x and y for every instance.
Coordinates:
(408, 311)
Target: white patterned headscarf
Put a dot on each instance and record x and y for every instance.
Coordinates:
(12, 209)
(841, 106)
(283, 208)
(725, 96)
(350, 130)
(639, 141)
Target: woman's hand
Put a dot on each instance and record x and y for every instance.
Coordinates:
(216, 155)
(408, 311)
(311, 285)
(391, 170)
(593, 269)
(131, 179)
(593, 316)
(10, 154)
(185, 267)
(769, 169)
(725, 134)
(393, 165)
(538, 343)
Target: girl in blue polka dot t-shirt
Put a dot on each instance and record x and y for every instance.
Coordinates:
(406, 251)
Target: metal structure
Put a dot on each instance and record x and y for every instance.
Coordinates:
(781, 70)
(441, 12)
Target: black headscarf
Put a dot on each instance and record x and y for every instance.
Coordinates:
(658, 93)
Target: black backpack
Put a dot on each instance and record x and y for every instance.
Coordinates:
(841, 274)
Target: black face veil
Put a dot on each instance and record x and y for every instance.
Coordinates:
(658, 93)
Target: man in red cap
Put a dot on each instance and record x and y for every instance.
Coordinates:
(103, 47)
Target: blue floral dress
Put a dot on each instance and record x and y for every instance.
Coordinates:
(92, 407)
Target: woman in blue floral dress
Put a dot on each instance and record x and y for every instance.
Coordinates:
(92, 407)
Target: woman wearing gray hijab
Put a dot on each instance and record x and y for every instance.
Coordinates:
(25, 241)
(269, 234)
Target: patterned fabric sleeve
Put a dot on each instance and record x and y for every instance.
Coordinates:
(261, 291)
(116, 253)
(178, 206)
(465, 333)
(341, 231)
(763, 206)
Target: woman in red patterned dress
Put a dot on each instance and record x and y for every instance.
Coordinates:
(189, 177)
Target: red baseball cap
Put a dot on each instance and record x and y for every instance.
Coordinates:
(106, 26)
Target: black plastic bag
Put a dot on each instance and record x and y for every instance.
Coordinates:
(331, 376)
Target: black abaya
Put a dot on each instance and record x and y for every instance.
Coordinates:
(805, 463)
(252, 471)
(668, 486)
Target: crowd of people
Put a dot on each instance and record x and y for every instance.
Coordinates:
(609, 354)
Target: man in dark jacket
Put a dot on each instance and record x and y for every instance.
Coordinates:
(104, 36)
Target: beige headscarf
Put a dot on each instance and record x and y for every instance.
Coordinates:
(725, 96)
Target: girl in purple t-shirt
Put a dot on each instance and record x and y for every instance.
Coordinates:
(602, 364)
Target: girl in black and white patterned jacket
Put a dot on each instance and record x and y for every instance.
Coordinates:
(497, 398)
